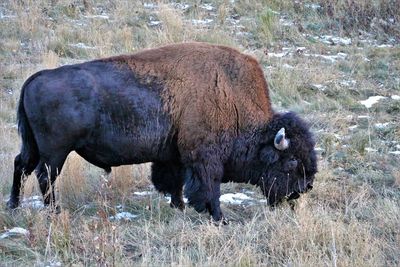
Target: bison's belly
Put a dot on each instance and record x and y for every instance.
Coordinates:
(113, 145)
(132, 126)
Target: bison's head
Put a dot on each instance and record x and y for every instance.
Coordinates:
(289, 156)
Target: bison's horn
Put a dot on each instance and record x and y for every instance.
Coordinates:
(280, 141)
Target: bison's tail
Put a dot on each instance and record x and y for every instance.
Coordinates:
(29, 149)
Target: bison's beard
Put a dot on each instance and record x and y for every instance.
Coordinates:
(278, 187)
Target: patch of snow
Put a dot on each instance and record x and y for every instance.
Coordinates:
(124, 215)
(7, 16)
(331, 58)
(337, 136)
(15, 232)
(201, 21)
(370, 149)
(106, 17)
(353, 127)
(234, 198)
(77, 23)
(10, 126)
(287, 51)
(235, 22)
(382, 125)
(82, 46)
(54, 263)
(244, 34)
(384, 46)
(150, 5)
(397, 152)
(371, 101)
(277, 54)
(363, 117)
(318, 149)
(181, 6)
(286, 22)
(395, 97)
(168, 198)
(348, 83)
(319, 86)
(338, 56)
(245, 191)
(274, 12)
(154, 23)
(207, 7)
(287, 66)
(300, 48)
(34, 202)
(4, 16)
(144, 193)
(334, 40)
(313, 6)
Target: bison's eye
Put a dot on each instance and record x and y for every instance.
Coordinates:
(291, 165)
(269, 155)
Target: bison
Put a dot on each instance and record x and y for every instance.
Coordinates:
(200, 113)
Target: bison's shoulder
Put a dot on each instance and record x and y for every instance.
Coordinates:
(207, 89)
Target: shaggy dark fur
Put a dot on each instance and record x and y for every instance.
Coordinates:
(201, 113)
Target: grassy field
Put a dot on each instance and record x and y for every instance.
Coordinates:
(322, 59)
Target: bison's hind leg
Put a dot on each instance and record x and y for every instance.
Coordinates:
(23, 165)
(167, 177)
(49, 168)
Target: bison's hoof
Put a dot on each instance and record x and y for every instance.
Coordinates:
(12, 204)
(57, 209)
(177, 205)
(222, 221)
(199, 207)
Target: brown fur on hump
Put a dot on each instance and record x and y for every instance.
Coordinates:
(208, 89)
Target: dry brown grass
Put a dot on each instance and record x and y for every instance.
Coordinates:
(352, 216)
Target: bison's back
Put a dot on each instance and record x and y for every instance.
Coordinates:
(207, 89)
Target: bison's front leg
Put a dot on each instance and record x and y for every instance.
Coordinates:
(167, 177)
(202, 186)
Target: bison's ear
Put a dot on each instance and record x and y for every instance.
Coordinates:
(269, 155)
